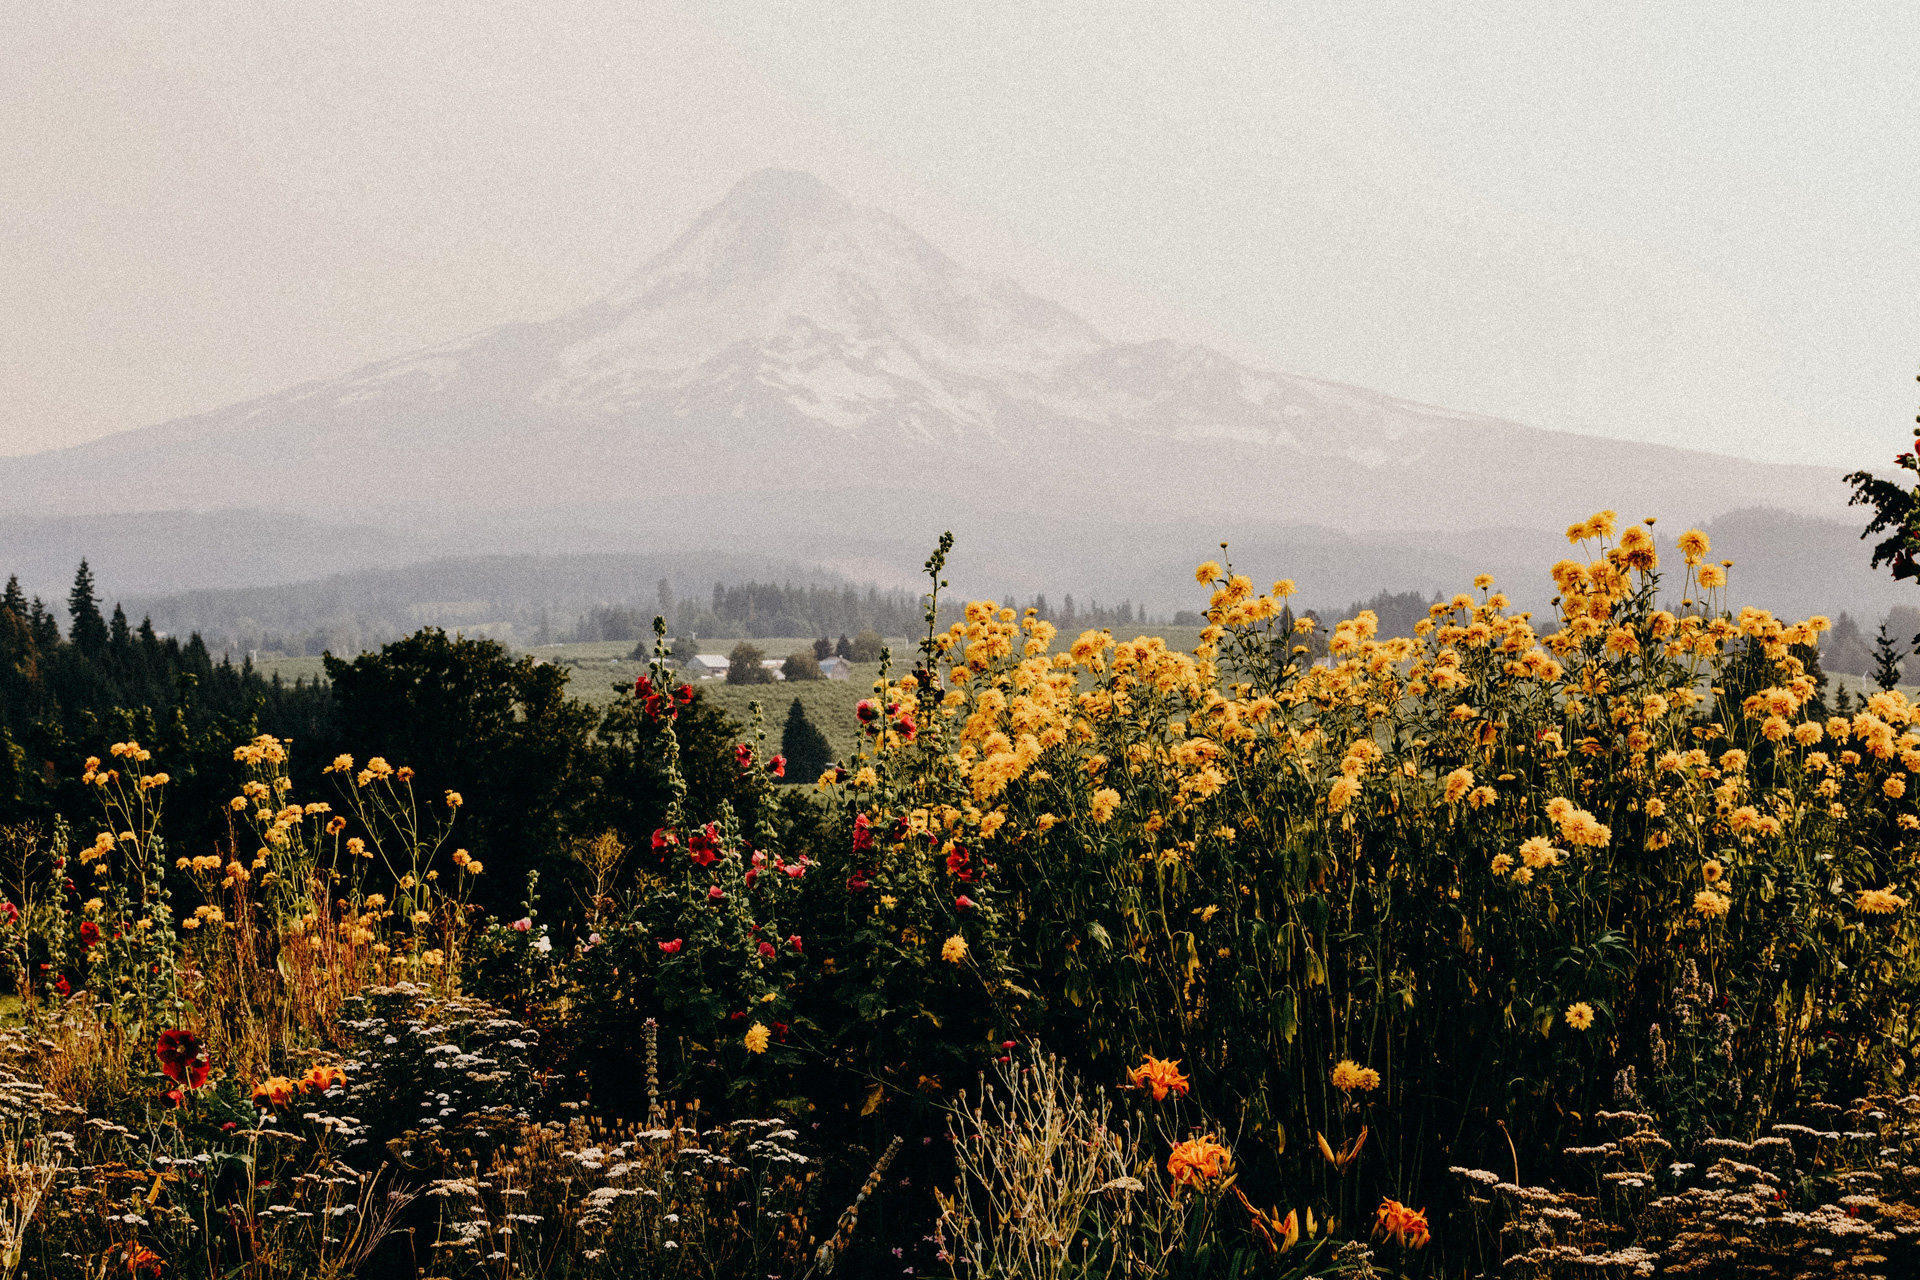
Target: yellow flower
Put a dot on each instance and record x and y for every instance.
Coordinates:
(1712, 577)
(1580, 1016)
(1694, 546)
(1711, 904)
(1105, 801)
(1502, 863)
(1208, 571)
(866, 777)
(1878, 902)
(1349, 1075)
(1344, 790)
(757, 1038)
(1538, 852)
(1894, 787)
(1712, 869)
(1283, 588)
(1459, 782)
(954, 949)
(453, 800)
(474, 867)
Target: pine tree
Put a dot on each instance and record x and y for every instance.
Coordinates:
(804, 746)
(1886, 659)
(14, 600)
(85, 627)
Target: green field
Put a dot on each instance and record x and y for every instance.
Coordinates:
(599, 672)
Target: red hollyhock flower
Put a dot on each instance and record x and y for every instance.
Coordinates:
(9, 912)
(963, 902)
(866, 711)
(182, 1058)
(858, 882)
(743, 756)
(671, 948)
(777, 766)
(89, 933)
(704, 845)
(664, 839)
(862, 834)
(766, 949)
(61, 985)
(794, 942)
(684, 694)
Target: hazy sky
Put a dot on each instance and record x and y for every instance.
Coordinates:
(1687, 223)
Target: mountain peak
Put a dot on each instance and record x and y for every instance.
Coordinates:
(782, 194)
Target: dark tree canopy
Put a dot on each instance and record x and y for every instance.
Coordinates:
(805, 747)
(468, 718)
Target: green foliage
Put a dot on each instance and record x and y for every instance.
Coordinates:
(801, 665)
(1887, 656)
(804, 746)
(743, 665)
(469, 718)
(866, 646)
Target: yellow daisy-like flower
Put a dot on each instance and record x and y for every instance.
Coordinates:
(1712, 869)
(954, 949)
(1878, 902)
(1502, 863)
(1894, 787)
(757, 1038)
(1349, 1075)
(1712, 577)
(1711, 904)
(1208, 571)
(1580, 1016)
(1459, 782)
(1538, 852)
(1344, 790)
(1105, 801)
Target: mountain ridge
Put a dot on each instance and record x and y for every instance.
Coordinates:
(791, 340)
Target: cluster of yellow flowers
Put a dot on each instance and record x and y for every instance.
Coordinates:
(1349, 1076)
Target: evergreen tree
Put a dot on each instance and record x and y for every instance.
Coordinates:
(1886, 659)
(86, 628)
(844, 649)
(805, 747)
(14, 600)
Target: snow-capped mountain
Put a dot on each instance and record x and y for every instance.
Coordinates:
(790, 343)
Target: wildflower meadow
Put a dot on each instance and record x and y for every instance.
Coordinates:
(1577, 944)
